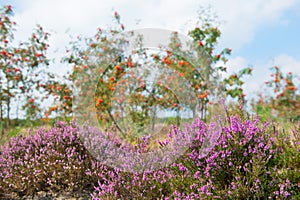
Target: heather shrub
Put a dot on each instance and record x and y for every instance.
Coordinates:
(244, 163)
(49, 160)
(250, 161)
(287, 169)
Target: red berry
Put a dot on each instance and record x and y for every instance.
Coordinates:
(129, 64)
(118, 67)
(3, 53)
(39, 54)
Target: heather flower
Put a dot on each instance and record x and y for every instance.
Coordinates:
(204, 188)
(243, 163)
(197, 174)
(182, 168)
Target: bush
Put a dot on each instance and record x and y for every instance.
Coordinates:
(248, 162)
(251, 160)
(53, 160)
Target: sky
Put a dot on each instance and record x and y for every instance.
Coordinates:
(262, 33)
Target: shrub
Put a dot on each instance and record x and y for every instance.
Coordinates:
(251, 160)
(248, 162)
(50, 160)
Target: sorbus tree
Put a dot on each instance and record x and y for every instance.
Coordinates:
(285, 98)
(100, 60)
(21, 68)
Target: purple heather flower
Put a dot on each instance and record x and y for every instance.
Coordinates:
(182, 168)
(197, 174)
(204, 188)
(287, 194)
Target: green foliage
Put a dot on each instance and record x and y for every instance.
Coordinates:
(284, 98)
(265, 113)
(234, 84)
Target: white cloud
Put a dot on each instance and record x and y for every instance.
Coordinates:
(242, 17)
(287, 64)
(261, 71)
(236, 64)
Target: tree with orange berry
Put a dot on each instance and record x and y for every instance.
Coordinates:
(100, 61)
(285, 98)
(21, 69)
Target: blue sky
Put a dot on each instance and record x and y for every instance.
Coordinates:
(261, 33)
(273, 39)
